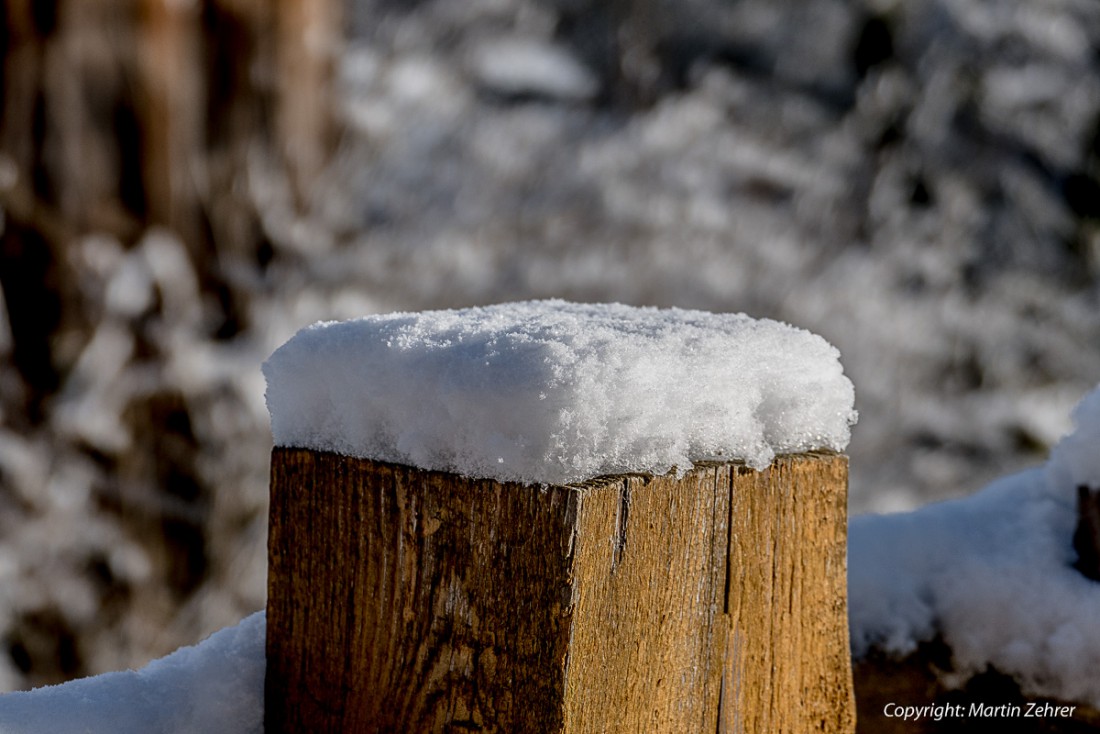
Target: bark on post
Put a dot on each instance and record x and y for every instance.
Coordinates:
(415, 601)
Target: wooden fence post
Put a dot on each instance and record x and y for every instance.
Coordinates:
(404, 600)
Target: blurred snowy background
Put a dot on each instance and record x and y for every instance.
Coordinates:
(917, 182)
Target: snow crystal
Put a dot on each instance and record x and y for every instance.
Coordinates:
(556, 392)
(992, 574)
(215, 686)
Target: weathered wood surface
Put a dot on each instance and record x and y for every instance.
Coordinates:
(403, 600)
(788, 594)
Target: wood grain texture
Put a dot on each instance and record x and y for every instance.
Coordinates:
(649, 581)
(788, 666)
(402, 600)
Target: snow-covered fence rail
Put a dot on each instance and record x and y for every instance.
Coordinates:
(476, 523)
(979, 614)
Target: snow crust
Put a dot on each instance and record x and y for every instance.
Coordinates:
(215, 686)
(558, 392)
(991, 573)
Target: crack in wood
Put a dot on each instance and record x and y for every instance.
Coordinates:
(622, 518)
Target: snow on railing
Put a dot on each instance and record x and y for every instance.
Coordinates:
(1001, 581)
(215, 686)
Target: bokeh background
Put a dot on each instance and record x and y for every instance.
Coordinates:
(185, 183)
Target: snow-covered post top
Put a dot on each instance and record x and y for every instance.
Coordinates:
(554, 392)
(548, 516)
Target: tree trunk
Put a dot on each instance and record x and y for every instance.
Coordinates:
(125, 122)
(119, 115)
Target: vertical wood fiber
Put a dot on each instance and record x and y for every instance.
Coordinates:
(788, 666)
(406, 601)
(403, 600)
(650, 583)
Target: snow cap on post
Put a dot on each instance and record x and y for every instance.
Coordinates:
(555, 392)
